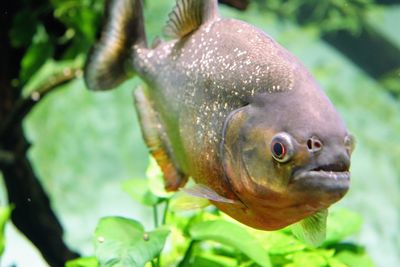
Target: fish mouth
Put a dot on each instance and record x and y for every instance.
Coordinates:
(330, 178)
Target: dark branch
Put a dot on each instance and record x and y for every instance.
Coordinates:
(24, 105)
(6, 157)
(370, 50)
(32, 214)
(238, 4)
(388, 2)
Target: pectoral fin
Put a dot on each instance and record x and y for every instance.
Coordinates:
(203, 191)
(312, 230)
(185, 202)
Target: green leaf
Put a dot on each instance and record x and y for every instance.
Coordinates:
(354, 260)
(38, 52)
(83, 262)
(207, 260)
(23, 28)
(139, 190)
(5, 213)
(309, 259)
(82, 16)
(280, 243)
(336, 263)
(156, 179)
(312, 230)
(233, 235)
(123, 242)
(341, 224)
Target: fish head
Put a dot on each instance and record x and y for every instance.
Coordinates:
(286, 156)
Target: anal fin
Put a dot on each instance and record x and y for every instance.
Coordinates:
(157, 141)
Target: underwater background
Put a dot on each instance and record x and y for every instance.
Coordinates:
(85, 144)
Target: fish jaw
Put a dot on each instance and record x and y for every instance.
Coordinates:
(307, 193)
(308, 190)
(263, 216)
(329, 182)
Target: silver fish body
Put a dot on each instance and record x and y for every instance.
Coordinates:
(228, 106)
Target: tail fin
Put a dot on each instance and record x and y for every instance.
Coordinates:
(109, 62)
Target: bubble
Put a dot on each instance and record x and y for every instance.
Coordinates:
(146, 237)
(35, 96)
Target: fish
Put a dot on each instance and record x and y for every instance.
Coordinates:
(225, 104)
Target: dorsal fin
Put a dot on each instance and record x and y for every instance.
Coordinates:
(188, 15)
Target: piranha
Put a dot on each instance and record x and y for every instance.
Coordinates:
(228, 106)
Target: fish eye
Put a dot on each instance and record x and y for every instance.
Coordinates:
(349, 143)
(282, 147)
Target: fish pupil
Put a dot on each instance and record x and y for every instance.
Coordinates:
(278, 149)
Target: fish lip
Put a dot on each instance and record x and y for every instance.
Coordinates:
(327, 186)
(336, 172)
(339, 176)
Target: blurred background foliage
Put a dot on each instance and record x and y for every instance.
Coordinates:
(85, 144)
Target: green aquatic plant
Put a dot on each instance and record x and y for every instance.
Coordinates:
(5, 213)
(186, 233)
